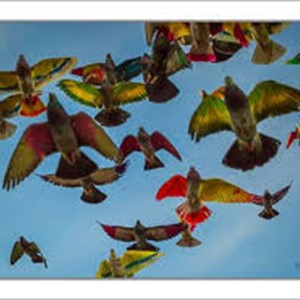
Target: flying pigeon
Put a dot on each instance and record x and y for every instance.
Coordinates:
(140, 234)
(148, 145)
(61, 133)
(241, 114)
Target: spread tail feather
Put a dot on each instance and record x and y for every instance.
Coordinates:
(7, 129)
(268, 54)
(246, 159)
(196, 55)
(192, 218)
(161, 90)
(187, 240)
(153, 164)
(268, 214)
(112, 116)
(92, 195)
(83, 167)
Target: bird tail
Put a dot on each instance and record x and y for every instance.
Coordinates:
(153, 164)
(197, 55)
(112, 116)
(187, 240)
(144, 247)
(7, 129)
(265, 214)
(245, 158)
(268, 54)
(82, 167)
(32, 107)
(192, 218)
(92, 195)
(161, 90)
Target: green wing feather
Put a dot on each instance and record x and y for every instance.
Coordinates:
(270, 99)
(81, 92)
(16, 253)
(128, 92)
(133, 260)
(177, 60)
(211, 116)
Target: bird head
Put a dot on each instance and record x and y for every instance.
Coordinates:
(113, 254)
(193, 174)
(203, 94)
(55, 111)
(228, 81)
(267, 195)
(139, 227)
(23, 68)
(142, 134)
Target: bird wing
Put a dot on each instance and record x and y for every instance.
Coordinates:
(82, 71)
(83, 93)
(17, 253)
(104, 270)
(129, 68)
(276, 197)
(177, 60)
(35, 144)
(176, 186)
(219, 190)
(159, 142)
(129, 144)
(271, 99)
(8, 82)
(125, 234)
(128, 92)
(134, 260)
(161, 233)
(50, 69)
(211, 116)
(179, 30)
(89, 133)
(11, 106)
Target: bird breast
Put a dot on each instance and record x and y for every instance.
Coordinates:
(192, 195)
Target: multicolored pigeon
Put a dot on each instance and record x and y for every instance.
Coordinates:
(96, 73)
(197, 190)
(268, 200)
(30, 248)
(140, 234)
(110, 96)
(99, 177)
(148, 145)
(166, 59)
(131, 262)
(294, 135)
(240, 114)
(61, 133)
(27, 82)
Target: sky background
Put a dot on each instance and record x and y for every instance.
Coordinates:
(236, 243)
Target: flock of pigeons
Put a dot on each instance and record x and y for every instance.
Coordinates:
(106, 87)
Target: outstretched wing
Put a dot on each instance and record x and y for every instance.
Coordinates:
(8, 82)
(161, 233)
(120, 233)
(17, 253)
(104, 270)
(89, 133)
(81, 92)
(50, 69)
(276, 197)
(270, 99)
(219, 190)
(133, 260)
(128, 145)
(176, 186)
(211, 116)
(35, 144)
(159, 141)
(11, 106)
(128, 92)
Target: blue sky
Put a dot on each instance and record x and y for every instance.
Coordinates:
(235, 241)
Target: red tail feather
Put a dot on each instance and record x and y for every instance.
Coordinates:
(193, 218)
(240, 35)
(176, 186)
(201, 57)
